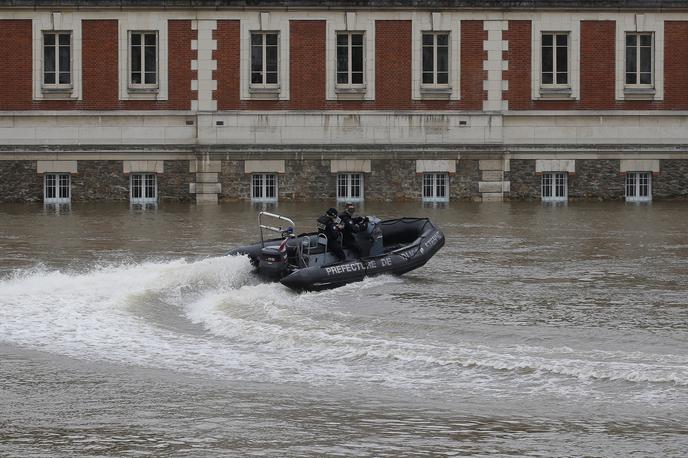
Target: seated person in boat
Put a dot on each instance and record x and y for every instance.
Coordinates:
(330, 225)
(352, 225)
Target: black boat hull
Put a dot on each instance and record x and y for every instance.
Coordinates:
(409, 244)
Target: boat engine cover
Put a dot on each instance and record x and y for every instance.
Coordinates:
(272, 263)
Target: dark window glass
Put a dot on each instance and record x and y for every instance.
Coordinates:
(547, 40)
(342, 39)
(428, 39)
(630, 40)
(428, 59)
(357, 59)
(547, 59)
(271, 58)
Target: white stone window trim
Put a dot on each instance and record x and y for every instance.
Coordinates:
(551, 182)
(423, 22)
(350, 22)
(435, 48)
(436, 181)
(637, 48)
(639, 23)
(54, 180)
(264, 187)
(555, 23)
(143, 22)
(349, 178)
(143, 86)
(264, 22)
(349, 70)
(57, 22)
(273, 87)
(143, 185)
(57, 86)
(638, 180)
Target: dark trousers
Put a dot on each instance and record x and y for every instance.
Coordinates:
(335, 247)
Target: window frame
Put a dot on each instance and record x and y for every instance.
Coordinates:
(435, 186)
(57, 70)
(637, 72)
(143, 86)
(349, 185)
(57, 187)
(435, 84)
(555, 84)
(550, 186)
(349, 71)
(264, 185)
(264, 84)
(143, 185)
(633, 181)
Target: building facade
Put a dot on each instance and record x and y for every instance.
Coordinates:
(376, 100)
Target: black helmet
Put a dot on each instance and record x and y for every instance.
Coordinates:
(332, 212)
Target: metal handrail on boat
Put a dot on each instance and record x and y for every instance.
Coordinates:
(284, 232)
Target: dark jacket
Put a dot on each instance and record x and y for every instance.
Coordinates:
(328, 227)
(351, 225)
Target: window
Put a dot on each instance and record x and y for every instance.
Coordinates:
(350, 59)
(350, 187)
(554, 186)
(57, 59)
(435, 187)
(638, 187)
(435, 59)
(264, 61)
(555, 59)
(143, 188)
(56, 188)
(639, 58)
(264, 187)
(143, 55)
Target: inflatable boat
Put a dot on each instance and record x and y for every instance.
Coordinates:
(303, 263)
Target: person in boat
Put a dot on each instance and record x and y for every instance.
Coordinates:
(330, 225)
(352, 225)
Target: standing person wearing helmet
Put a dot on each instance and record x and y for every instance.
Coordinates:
(330, 225)
(352, 225)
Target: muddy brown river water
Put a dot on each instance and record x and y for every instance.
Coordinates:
(537, 330)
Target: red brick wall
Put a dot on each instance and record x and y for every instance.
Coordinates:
(226, 55)
(598, 64)
(393, 64)
(518, 76)
(99, 64)
(99, 69)
(472, 57)
(15, 65)
(307, 68)
(676, 64)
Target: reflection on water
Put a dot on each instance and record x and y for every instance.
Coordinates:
(537, 329)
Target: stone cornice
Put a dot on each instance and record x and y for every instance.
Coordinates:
(656, 5)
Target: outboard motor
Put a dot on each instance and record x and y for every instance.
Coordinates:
(272, 263)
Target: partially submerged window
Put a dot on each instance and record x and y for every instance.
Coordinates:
(350, 186)
(554, 187)
(143, 188)
(435, 187)
(264, 187)
(638, 186)
(56, 188)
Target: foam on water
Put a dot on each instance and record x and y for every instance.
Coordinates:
(257, 331)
